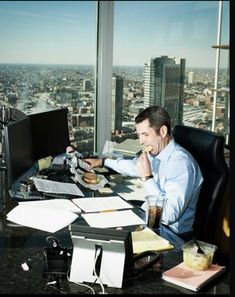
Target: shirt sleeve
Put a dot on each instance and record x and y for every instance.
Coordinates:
(123, 166)
(177, 188)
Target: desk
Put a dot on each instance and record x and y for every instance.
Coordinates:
(20, 244)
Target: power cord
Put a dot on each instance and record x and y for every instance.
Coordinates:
(80, 284)
(98, 252)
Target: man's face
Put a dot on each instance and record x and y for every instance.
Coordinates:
(147, 136)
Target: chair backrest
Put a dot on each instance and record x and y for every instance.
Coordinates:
(208, 149)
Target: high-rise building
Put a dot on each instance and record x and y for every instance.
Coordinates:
(87, 85)
(117, 98)
(190, 77)
(164, 85)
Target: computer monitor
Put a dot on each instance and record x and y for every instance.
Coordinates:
(115, 255)
(18, 149)
(49, 133)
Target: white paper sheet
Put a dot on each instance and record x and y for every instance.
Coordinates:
(45, 219)
(131, 189)
(113, 219)
(49, 186)
(62, 204)
(101, 203)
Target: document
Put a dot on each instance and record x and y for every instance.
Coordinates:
(188, 278)
(42, 218)
(113, 219)
(61, 204)
(148, 240)
(89, 204)
(131, 189)
(49, 186)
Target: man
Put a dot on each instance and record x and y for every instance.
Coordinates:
(167, 169)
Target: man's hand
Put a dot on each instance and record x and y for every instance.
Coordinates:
(143, 165)
(93, 162)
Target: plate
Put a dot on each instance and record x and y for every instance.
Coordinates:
(102, 182)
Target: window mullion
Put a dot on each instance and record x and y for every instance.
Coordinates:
(104, 69)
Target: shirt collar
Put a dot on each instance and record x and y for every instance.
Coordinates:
(167, 151)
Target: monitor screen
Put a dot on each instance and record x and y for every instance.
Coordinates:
(18, 149)
(49, 133)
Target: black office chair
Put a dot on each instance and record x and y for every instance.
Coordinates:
(208, 149)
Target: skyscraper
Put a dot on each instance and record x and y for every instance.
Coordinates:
(190, 77)
(164, 85)
(117, 98)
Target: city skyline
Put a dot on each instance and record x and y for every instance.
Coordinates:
(39, 88)
(64, 32)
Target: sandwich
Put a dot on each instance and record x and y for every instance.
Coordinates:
(147, 149)
(90, 178)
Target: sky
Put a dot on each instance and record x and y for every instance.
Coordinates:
(64, 32)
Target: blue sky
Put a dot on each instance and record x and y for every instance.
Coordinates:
(64, 32)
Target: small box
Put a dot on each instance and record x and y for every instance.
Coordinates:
(195, 260)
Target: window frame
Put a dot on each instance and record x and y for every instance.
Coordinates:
(104, 69)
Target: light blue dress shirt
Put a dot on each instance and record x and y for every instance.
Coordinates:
(177, 177)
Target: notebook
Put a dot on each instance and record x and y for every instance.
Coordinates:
(188, 278)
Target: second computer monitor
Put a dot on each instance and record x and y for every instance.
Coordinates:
(49, 133)
(18, 149)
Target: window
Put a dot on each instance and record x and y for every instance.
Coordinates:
(47, 61)
(163, 52)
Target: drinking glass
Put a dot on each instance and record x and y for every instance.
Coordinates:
(154, 207)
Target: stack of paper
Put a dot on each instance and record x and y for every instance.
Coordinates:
(113, 219)
(101, 203)
(46, 215)
(148, 240)
(60, 204)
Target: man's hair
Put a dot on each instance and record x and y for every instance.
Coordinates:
(157, 117)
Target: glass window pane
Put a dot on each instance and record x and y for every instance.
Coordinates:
(47, 61)
(163, 53)
(223, 97)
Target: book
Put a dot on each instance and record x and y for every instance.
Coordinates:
(188, 278)
(148, 240)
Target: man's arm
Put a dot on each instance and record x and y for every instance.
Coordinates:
(123, 166)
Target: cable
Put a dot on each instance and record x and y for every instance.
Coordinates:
(52, 286)
(98, 251)
(80, 284)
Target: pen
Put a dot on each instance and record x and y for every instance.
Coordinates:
(108, 210)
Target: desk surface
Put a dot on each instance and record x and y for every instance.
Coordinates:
(20, 244)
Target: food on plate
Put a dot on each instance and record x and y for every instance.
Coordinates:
(147, 148)
(90, 178)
